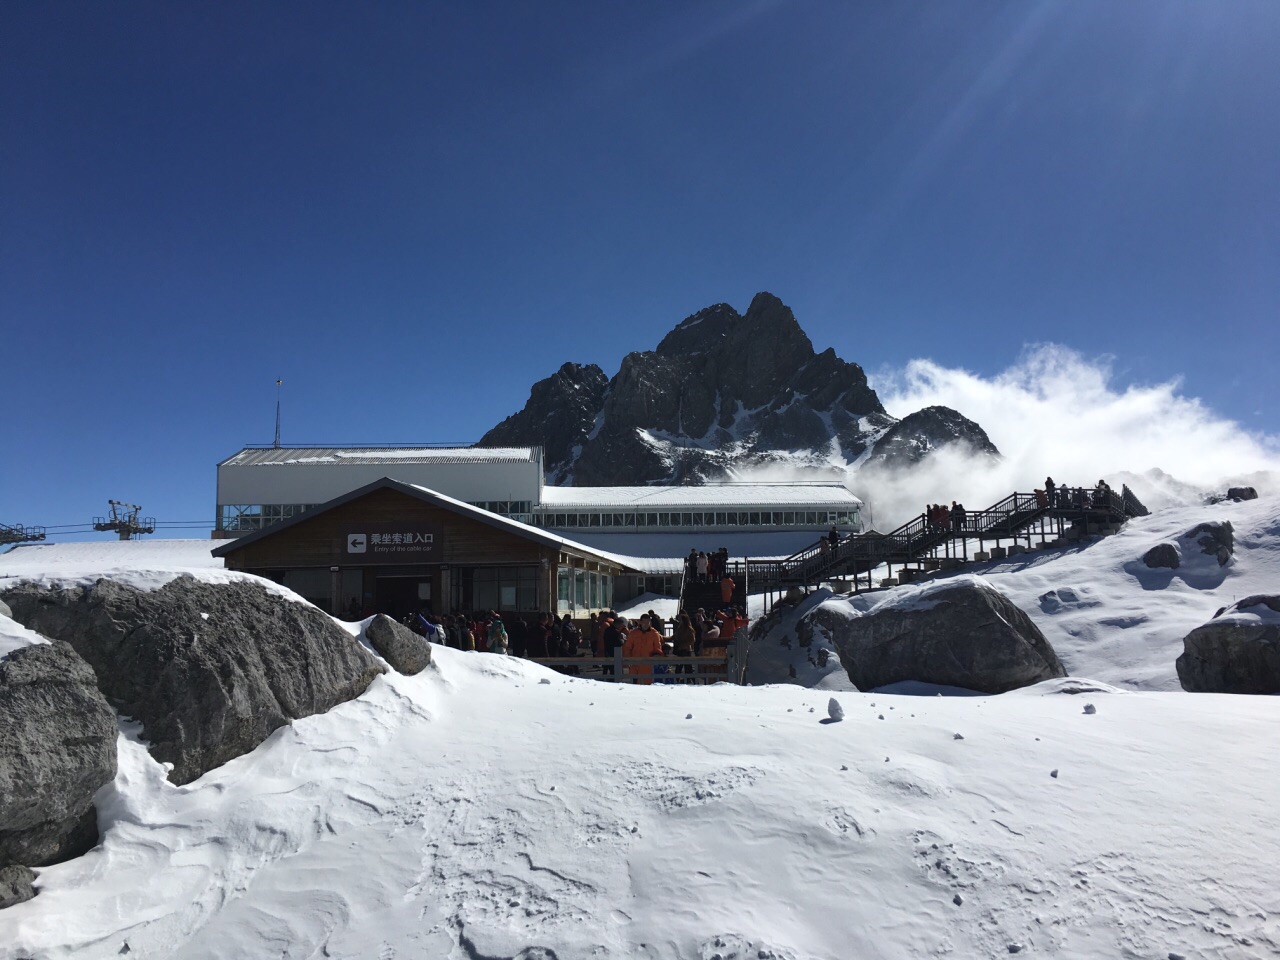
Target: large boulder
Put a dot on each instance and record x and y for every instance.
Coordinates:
(57, 747)
(405, 650)
(209, 669)
(1238, 651)
(955, 634)
(1163, 555)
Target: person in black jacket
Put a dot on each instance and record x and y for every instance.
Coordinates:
(615, 635)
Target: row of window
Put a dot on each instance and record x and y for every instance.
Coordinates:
(247, 517)
(520, 510)
(708, 518)
(582, 590)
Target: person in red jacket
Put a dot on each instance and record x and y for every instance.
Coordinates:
(643, 641)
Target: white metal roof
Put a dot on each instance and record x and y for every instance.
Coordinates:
(281, 456)
(707, 495)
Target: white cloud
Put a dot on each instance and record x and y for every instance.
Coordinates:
(1056, 412)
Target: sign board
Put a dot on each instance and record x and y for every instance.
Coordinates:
(376, 543)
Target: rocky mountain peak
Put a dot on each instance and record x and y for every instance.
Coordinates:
(722, 390)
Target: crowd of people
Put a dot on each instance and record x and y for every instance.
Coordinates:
(939, 517)
(1080, 498)
(704, 567)
(548, 637)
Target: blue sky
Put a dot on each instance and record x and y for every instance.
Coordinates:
(412, 211)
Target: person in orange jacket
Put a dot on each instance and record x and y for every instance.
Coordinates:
(643, 641)
(731, 621)
(726, 589)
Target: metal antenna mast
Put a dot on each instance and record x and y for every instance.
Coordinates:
(124, 520)
(276, 444)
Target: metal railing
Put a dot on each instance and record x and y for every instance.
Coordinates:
(920, 537)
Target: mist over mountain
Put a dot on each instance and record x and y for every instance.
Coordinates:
(723, 392)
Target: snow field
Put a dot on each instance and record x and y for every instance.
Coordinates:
(474, 811)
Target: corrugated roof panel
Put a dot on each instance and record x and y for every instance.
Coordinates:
(292, 456)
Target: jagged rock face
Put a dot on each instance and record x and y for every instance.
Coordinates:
(210, 669)
(917, 435)
(721, 390)
(560, 415)
(57, 747)
(967, 635)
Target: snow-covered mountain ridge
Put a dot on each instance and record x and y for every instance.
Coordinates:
(723, 392)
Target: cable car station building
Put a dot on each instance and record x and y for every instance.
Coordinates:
(397, 548)
(396, 529)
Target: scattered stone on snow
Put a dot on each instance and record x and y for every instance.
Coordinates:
(957, 737)
(1054, 773)
(1090, 709)
(834, 710)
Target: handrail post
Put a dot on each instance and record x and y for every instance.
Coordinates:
(617, 665)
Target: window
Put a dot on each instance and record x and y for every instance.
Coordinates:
(742, 518)
(720, 519)
(580, 588)
(664, 519)
(675, 519)
(788, 517)
(653, 519)
(619, 520)
(755, 519)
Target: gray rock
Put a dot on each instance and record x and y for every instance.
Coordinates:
(16, 885)
(1216, 538)
(918, 434)
(834, 710)
(405, 650)
(1163, 555)
(57, 748)
(1235, 654)
(5, 611)
(209, 669)
(1242, 493)
(967, 635)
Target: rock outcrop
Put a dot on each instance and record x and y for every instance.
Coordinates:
(406, 651)
(917, 435)
(16, 884)
(721, 390)
(57, 748)
(1238, 651)
(561, 415)
(1215, 539)
(1163, 556)
(209, 669)
(955, 634)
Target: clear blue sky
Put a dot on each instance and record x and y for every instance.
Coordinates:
(412, 211)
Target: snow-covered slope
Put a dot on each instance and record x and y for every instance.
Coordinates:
(1108, 616)
(488, 808)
